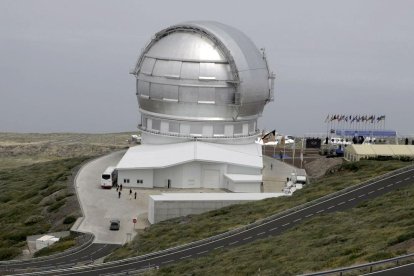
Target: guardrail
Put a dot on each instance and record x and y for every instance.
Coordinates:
(258, 222)
(249, 226)
(86, 240)
(368, 267)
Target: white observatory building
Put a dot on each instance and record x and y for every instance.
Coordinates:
(201, 87)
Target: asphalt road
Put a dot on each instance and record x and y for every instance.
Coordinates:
(404, 270)
(84, 256)
(269, 228)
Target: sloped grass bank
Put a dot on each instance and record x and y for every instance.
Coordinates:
(378, 229)
(183, 230)
(33, 200)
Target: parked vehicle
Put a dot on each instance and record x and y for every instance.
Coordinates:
(115, 224)
(109, 177)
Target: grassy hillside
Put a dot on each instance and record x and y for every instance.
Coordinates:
(34, 199)
(182, 230)
(19, 149)
(375, 230)
(36, 182)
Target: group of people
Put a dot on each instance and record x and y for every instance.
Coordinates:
(119, 190)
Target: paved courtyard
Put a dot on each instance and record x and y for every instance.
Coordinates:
(101, 205)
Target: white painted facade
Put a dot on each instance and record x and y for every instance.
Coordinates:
(195, 174)
(192, 165)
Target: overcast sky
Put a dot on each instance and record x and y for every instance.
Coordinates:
(64, 64)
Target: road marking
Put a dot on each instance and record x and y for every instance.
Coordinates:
(309, 215)
(390, 185)
(218, 247)
(371, 192)
(247, 238)
(379, 189)
(361, 195)
(340, 203)
(351, 199)
(202, 252)
(273, 228)
(296, 220)
(261, 233)
(286, 224)
(399, 181)
(233, 242)
(166, 262)
(330, 207)
(185, 257)
(320, 211)
(408, 178)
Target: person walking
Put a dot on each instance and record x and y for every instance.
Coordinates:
(135, 195)
(120, 187)
(119, 194)
(130, 191)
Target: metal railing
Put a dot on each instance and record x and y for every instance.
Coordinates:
(368, 267)
(258, 222)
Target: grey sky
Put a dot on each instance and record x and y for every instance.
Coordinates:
(64, 64)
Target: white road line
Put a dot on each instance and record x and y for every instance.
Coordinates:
(233, 242)
(166, 262)
(408, 178)
(286, 224)
(361, 195)
(202, 252)
(371, 192)
(399, 181)
(218, 247)
(320, 211)
(390, 185)
(248, 238)
(188, 256)
(272, 229)
(340, 203)
(296, 220)
(309, 215)
(379, 189)
(261, 233)
(330, 207)
(351, 199)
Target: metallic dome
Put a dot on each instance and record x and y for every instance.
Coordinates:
(202, 79)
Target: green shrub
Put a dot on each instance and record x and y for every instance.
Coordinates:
(401, 238)
(351, 166)
(55, 206)
(33, 219)
(379, 256)
(8, 253)
(69, 220)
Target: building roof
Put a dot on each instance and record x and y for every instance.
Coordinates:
(213, 196)
(382, 150)
(243, 177)
(149, 156)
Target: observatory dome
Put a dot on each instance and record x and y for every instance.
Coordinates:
(203, 80)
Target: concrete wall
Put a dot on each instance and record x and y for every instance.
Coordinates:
(243, 187)
(233, 169)
(163, 210)
(133, 176)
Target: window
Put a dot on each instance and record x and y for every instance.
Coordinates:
(238, 128)
(126, 180)
(140, 181)
(174, 127)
